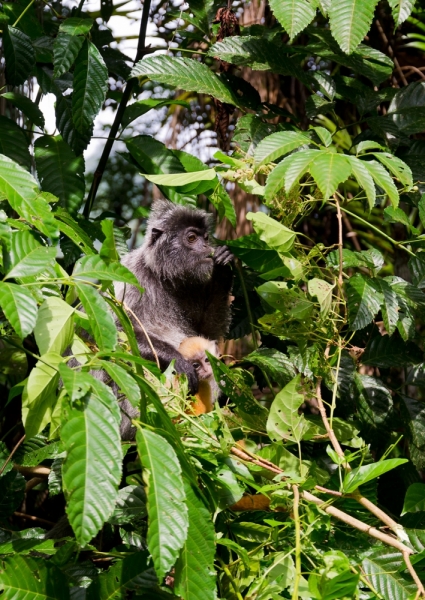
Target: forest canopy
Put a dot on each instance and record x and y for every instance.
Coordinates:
(300, 126)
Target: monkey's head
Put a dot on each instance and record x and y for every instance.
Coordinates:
(177, 246)
(193, 350)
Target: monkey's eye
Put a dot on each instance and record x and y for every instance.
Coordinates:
(207, 360)
(196, 365)
(191, 238)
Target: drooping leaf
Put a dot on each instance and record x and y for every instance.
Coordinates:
(94, 267)
(39, 395)
(77, 141)
(415, 498)
(362, 301)
(187, 74)
(60, 171)
(54, 329)
(14, 142)
(284, 422)
(389, 305)
(26, 106)
(19, 307)
(294, 16)
(350, 21)
(195, 574)
(21, 190)
(134, 573)
(329, 170)
(365, 473)
(101, 321)
(277, 236)
(401, 9)
(76, 25)
(288, 172)
(31, 578)
(364, 179)
(90, 86)
(407, 108)
(19, 54)
(396, 166)
(27, 256)
(126, 384)
(277, 144)
(166, 500)
(65, 50)
(181, 179)
(92, 468)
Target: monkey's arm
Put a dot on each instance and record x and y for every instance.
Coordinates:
(166, 353)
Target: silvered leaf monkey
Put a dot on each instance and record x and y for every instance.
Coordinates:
(193, 349)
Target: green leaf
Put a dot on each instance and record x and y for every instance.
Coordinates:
(166, 500)
(293, 15)
(329, 170)
(27, 256)
(284, 422)
(14, 142)
(365, 473)
(76, 25)
(65, 50)
(134, 572)
(125, 381)
(130, 505)
(415, 498)
(180, 179)
(364, 179)
(114, 246)
(90, 86)
(19, 54)
(194, 572)
(32, 578)
(407, 108)
(76, 383)
(350, 21)
(389, 305)
(77, 141)
(290, 301)
(417, 269)
(101, 320)
(94, 267)
(39, 395)
(276, 364)
(276, 236)
(60, 171)
(401, 9)
(21, 190)
(362, 301)
(324, 135)
(187, 74)
(288, 172)
(277, 144)
(54, 329)
(323, 291)
(141, 107)
(92, 468)
(19, 308)
(26, 106)
(382, 568)
(71, 229)
(389, 351)
(398, 168)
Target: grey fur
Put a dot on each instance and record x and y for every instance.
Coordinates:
(187, 287)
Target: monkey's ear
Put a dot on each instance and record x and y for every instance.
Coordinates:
(156, 233)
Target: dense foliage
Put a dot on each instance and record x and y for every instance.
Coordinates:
(274, 494)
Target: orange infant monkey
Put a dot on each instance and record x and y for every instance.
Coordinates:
(193, 350)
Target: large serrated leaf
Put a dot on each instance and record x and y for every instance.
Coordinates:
(54, 329)
(187, 74)
(19, 54)
(350, 21)
(362, 301)
(329, 170)
(276, 364)
(389, 351)
(94, 267)
(27, 256)
(90, 86)
(21, 190)
(277, 144)
(77, 141)
(65, 50)
(125, 382)
(166, 500)
(60, 171)
(92, 468)
(134, 572)
(19, 307)
(14, 142)
(364, 179)
(284, 422)
(397, 167)
(101, 321)
(365, 473)
(195, 574)
(383, 179)
(415, 498)
(288, 172)
(382, 568)
(32, 579)
(389, 306)
(401, 9)
(26, 106)
(294, 15)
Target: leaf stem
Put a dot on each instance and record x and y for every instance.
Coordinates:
(297, 541)
(23, 12)
(390, 239)
(231, 579)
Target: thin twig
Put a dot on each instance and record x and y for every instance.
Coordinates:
(297, 541)
(332, 437)
(35, 471)
(247, 304)
(128, 309)
(390, 51)
(32, 518)
(340, 243)
(419, 585)
(9, 458)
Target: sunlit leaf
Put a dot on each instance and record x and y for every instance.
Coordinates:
(277, 236)
(19, 308)
(365, 473)
(284, 422)
(54, 329)
(350, 21)
(294, 16)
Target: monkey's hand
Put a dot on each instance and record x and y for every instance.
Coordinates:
(184, 366)
(223, 256)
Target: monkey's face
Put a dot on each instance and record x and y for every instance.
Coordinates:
(202, 366)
